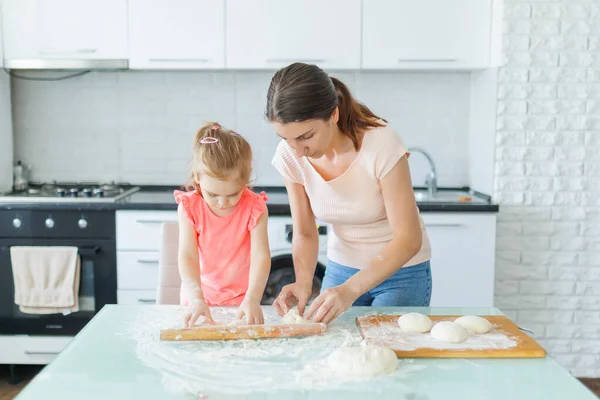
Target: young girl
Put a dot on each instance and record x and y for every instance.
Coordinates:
(224, 257)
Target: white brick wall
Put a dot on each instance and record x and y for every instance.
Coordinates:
(138, 126)
(548, 177)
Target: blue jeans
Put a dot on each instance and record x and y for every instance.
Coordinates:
(408, 287)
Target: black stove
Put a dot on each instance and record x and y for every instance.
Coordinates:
(69, 192)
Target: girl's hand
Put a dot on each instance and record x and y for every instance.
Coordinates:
(252, 311)
(195, 310)
(331, 304)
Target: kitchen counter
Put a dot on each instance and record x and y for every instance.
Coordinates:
(118, 356)
(161, 198)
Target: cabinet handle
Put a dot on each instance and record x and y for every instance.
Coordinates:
(147, 261)
(182, 60)
(42, 353)
(145, 301)
(434, 60)
(151, 221)
(291, 60)
(444, 224)
(78, 51)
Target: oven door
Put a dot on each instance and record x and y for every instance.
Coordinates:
(97, 287)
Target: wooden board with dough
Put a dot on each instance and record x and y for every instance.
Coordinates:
(504, 341)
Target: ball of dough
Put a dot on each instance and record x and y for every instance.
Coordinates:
(450, 332)
(292, 317)
(474, 324)
(363, 361)
(415, 322)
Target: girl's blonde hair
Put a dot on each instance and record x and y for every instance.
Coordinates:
(220, 152)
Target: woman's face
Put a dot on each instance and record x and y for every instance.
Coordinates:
(310, 138)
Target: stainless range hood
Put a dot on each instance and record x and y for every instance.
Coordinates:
(66, 64)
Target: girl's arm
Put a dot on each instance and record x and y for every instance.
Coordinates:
(305, 251)
(260, 266)
(402, 213)
(189, 270)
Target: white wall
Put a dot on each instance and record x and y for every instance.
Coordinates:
(138, 126)
(548, 177)
(6, 135)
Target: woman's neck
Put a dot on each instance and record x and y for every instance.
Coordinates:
(341, 144)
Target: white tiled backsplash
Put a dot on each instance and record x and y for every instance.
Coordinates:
(138, 126)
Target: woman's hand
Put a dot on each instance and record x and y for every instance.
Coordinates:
(252, 311)
(196, 309)
(331, 304)
(291, 295)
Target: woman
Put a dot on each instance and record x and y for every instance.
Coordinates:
(343, 165)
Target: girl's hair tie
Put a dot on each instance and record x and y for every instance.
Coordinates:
(209, 140)
(216, 127)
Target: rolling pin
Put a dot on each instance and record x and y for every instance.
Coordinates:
(224, 332)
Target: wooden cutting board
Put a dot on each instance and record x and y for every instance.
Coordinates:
(381, 330)
(226, 332)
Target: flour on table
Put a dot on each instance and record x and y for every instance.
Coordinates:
(249, 366)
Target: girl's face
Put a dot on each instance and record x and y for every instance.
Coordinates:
(221, 196)
(310, 138)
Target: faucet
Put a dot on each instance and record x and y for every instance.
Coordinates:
(431, 180)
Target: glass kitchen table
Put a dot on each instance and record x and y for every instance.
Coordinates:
(102, 362)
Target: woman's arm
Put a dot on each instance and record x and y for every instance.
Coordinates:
(407, 239)
(305, 251)
(260, 265)
(189, 270)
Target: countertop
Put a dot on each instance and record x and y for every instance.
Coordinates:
(161, 198)
(118, 356)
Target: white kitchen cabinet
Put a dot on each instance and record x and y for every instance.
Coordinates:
(136, 297)
(24, 349)
(65, 33)
(138, 254)
(408, 34)
(140, 230)
(176, 34)
(462, 260)
(270, 34)
(1, 41)
(137, 270)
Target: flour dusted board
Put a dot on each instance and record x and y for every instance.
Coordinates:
(504, 341)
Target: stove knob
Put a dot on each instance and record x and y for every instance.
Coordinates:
(49, 223)
(17, 223)
(82, 223)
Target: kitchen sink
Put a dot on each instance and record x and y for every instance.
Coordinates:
(447, 196)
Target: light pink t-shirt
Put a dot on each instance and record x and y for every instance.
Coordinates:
(223, 245)
(353, 202)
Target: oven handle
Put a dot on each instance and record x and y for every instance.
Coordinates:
(89, 251)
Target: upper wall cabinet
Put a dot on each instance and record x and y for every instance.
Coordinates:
(176, 34)
(65, 33)
(462, 34)
(270, 34)
(1, 39)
